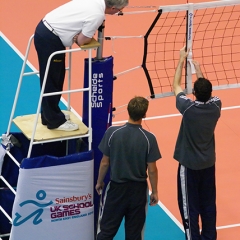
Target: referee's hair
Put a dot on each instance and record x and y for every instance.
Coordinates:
(137, 108)
(202, 89)
(116, 3)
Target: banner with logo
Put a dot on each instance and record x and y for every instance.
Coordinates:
(54, 199)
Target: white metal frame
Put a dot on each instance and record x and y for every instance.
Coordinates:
(42, 94)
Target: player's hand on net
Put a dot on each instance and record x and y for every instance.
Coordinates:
(196, 64)
(197, 68)
(184, 53)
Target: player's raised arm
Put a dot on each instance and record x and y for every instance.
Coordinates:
(178, 74)
(198, 69)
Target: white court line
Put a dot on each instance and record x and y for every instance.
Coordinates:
(228, 226)
(17, 51)
(229, 108)
(170, 215)
(163, 207)
(174, 219)
(170, 115)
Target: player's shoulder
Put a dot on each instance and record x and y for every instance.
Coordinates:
(115, 128)
(215, 99)
(183, 97)
(148, 133)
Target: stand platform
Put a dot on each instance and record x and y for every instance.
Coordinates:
(26, 123)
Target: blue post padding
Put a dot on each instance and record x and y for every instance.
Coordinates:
(102, 92)
(48, 161)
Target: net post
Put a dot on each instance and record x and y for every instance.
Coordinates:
(100, 40)
(190, 16)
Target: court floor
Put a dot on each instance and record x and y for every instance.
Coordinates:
(163, 221)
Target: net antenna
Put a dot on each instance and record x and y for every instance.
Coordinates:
(211, 31)
(189, 67)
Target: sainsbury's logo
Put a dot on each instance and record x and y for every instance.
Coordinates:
(65, 208)
(73, 199)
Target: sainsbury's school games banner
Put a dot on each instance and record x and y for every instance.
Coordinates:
(54, 202)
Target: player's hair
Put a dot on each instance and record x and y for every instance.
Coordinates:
(137, 108)
(202, 89)
(116, 3)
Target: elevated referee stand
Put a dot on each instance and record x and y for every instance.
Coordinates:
(31, 126)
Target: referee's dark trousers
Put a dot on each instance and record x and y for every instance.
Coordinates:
(46, 42)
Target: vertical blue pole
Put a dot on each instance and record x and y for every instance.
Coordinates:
(102, 95)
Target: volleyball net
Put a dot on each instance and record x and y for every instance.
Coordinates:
(212, 32)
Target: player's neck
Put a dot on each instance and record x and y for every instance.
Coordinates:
(139, 122)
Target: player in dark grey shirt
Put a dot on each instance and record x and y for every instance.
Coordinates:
(195, 152)
(129, 151)
(196, 135)
(133, 147)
